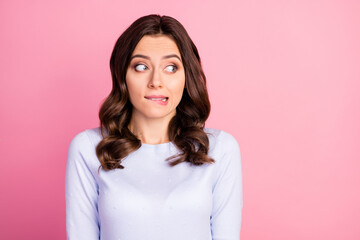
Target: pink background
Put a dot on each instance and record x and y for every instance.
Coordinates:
(283, 76)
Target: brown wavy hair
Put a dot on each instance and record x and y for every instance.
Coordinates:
(185, 128)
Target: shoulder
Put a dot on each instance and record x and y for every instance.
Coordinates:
(83, 145)
(86, 138)
(221, 141)
(225, 150)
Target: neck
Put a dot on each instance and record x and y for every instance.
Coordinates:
(153, 131)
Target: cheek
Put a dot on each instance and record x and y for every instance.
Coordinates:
(178, 90)
(132, 86)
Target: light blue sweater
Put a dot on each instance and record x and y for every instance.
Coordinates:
(149, 199)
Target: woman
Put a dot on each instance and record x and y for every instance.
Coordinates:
(152, 171)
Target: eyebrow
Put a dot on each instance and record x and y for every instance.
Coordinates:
(147, 57)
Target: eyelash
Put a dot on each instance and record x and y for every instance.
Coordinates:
(173, 65)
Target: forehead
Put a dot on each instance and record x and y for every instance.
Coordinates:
(156, 45)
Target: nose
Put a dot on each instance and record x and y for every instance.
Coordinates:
(155, 80)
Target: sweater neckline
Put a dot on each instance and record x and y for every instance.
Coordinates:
(157, 147)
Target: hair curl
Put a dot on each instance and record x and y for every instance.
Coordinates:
(185, 128)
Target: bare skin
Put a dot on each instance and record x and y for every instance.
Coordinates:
(155, 79)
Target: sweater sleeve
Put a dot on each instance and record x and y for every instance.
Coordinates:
(227, 193)
(81, 191)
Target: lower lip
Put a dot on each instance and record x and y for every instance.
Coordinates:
(159, 101)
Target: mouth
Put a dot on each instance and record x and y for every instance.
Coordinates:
(163, 99)
(160, 99)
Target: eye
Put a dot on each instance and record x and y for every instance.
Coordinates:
(171, 68)
(140, 67)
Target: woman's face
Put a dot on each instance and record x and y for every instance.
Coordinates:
(155, 78)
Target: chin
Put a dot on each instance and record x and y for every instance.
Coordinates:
(158, 114)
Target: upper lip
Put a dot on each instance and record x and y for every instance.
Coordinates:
(156, 96)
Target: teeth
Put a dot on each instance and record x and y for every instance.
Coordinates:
(159, 99)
